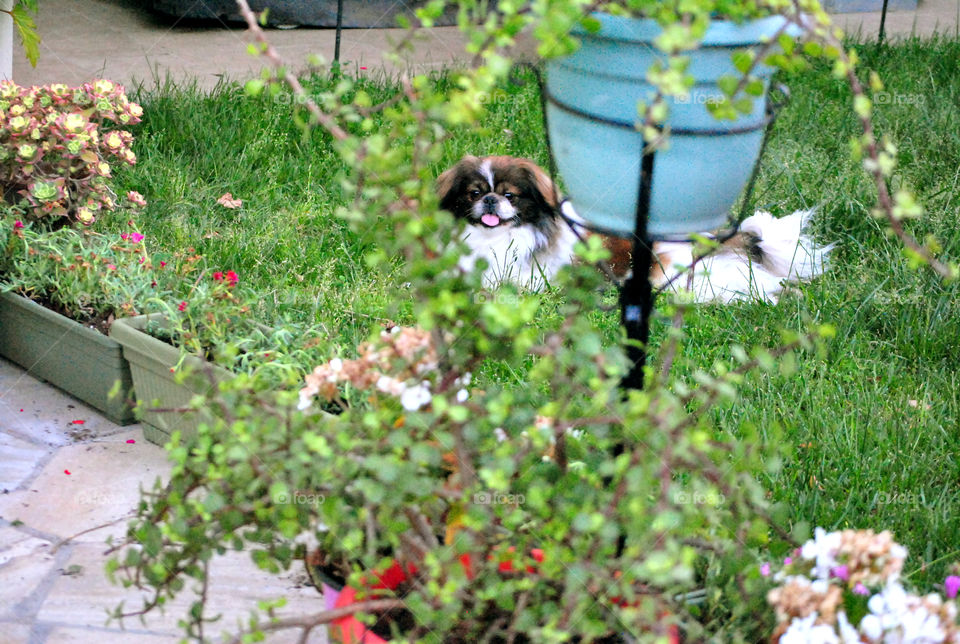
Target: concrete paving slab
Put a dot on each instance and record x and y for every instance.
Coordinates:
(236, 585)
(35, 411)
(15, 543)
(76, 635)
(26, 566)
(87, 485)
(110, 636)
(21, 461)
(14, 633)
(123, 41)
(930, 17)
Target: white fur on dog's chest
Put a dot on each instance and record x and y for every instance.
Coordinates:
(521, 255)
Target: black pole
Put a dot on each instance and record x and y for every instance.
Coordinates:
(636, 301)
(336, 47)
(883, 20)
(636, 296)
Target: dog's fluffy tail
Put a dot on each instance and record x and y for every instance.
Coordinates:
(783, 248)
(755, 264)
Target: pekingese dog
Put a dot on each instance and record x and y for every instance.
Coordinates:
(517, 223)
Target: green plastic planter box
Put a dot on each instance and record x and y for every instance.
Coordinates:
(151, 361)
(77, 359)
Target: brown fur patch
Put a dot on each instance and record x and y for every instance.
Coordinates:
(446, 180)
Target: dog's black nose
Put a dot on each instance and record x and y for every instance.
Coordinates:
(489, 200)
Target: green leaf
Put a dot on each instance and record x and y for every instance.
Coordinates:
(254, 87)
(27, 28)
(743, 105)
(728, 84)
(812, 49)
(742, 60)
(754, 88)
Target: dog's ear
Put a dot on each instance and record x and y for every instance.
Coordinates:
(542, 183)
(447, 181)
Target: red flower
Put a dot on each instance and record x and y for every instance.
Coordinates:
(233, 278)
(218, 276)
(162, 264)
(182, 306)
(17, 225)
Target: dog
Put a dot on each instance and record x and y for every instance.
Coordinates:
(517, 223)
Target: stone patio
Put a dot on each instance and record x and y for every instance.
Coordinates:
(69, 479)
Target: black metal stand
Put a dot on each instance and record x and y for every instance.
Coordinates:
(636, 295)
(336, 46)
(883, 21)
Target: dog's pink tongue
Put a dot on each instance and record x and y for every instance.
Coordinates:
(490, 220)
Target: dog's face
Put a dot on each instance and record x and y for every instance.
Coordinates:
(498, 191)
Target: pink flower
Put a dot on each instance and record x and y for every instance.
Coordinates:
(17, 225)
(218, 276)
(233, 278)
(788, 561)
(162, 264)
(951, 584)
(765, 570)
(111, 267)
(840, 572)
(860, 589)
(182, 307)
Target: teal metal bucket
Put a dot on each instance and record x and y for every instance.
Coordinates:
(592, 98)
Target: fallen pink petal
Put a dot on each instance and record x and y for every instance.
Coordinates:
(227, 201)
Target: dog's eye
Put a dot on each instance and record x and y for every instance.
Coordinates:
(510, 196)
(474, 194)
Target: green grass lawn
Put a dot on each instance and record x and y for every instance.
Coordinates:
(868, 427)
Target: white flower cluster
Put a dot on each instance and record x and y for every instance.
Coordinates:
(810, 599)
(400, 365)
(897, 616)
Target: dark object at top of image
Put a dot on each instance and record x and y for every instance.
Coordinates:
(380, 14)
